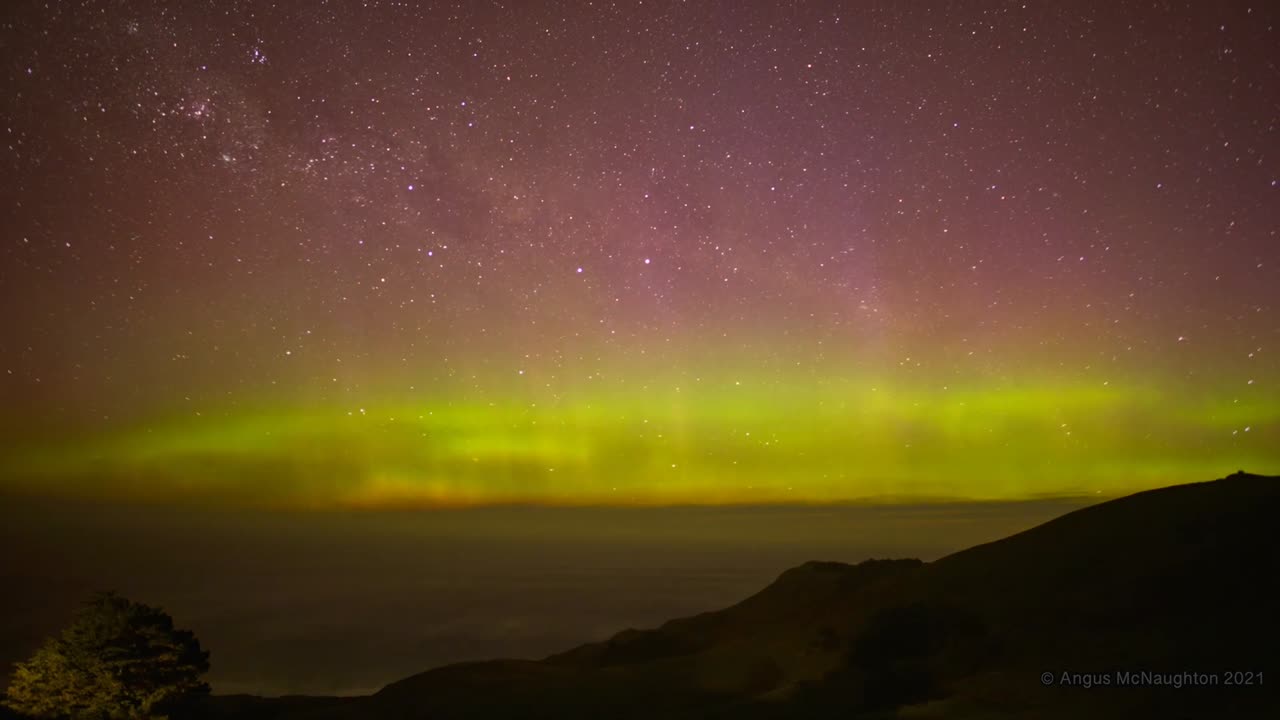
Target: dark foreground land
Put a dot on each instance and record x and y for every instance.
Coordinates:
(1095, 614)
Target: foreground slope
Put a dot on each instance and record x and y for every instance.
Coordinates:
(1170, 581)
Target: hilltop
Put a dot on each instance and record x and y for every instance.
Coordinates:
(1169, 581)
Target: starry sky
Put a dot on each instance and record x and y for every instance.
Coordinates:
(380, 253)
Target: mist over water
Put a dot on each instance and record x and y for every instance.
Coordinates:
(345, 602)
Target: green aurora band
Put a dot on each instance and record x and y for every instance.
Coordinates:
(731, 442)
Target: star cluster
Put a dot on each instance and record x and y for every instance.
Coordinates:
(515, 238)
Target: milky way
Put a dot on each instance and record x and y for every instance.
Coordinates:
(316, 252)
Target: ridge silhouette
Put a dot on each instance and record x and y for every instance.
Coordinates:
(1174, 580)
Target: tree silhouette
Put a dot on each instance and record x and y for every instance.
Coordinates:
(118, 659)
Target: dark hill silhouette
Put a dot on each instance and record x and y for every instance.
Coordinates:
(1180, 579)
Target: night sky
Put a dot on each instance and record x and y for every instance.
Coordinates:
(367, 254)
